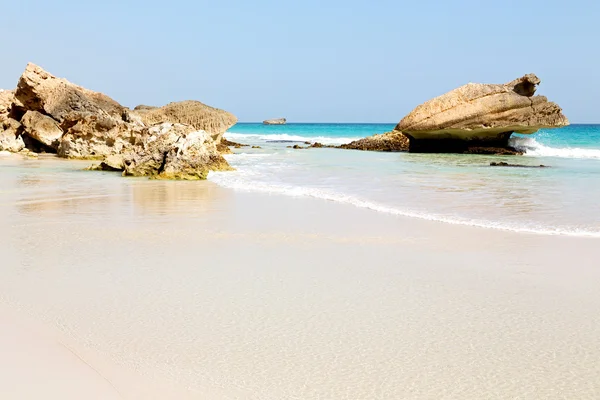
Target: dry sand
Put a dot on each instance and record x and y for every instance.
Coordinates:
(186, 290)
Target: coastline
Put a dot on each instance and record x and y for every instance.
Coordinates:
(194, 289)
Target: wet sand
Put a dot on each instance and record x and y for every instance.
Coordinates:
(189, 290)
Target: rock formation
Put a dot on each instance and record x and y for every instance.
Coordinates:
(480, 115)
(42, 128)
(175, 151)
(277, 121)
(389, 141)
(10, 139)
(50, 114)
(200, 116)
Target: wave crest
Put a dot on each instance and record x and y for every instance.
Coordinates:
(532, 147)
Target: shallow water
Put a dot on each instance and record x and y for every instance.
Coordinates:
(461, 189)
(252, 296)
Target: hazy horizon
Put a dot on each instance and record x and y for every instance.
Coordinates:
(331, 61)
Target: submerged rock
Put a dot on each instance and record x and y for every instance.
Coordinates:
(480, 115)
(276, 121)
(389, 141)
(505, 164)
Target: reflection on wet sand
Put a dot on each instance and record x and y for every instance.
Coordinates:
(33, 188)
(176, 198)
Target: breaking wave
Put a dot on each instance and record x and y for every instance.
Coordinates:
(532, 147)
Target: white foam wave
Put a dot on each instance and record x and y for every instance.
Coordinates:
(234, 181)
(241, 137)
(532, 147)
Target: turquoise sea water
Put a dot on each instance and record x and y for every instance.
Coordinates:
(460, 189)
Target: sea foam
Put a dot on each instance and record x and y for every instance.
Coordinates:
(532, 147)
(238, 181)
(241, 137)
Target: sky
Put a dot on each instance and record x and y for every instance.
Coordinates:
(308, 61)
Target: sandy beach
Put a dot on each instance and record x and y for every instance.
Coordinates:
(150, 289)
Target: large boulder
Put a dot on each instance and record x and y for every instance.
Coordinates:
(480, 115)
(73, 121)
(175, 151)
(276, 121)
(41, 91)
(190, 112)
(42, 128)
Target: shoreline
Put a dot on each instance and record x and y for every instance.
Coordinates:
(187, 289)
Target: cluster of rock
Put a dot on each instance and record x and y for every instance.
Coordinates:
(277, 121)
(474, 118)
(389, 141)
(52, 115)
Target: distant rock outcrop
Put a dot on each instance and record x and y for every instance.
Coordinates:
(276, 121)
(51, 114)
(480, 115)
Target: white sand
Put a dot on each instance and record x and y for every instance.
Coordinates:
(175, 290)
(34, 364)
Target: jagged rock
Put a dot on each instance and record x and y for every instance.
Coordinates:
(7, 97)
(276, 121)
(175, 151)
(42, 128)
(481, 114)
(59, 116)
(92, 123)
(94, 136)
(41, 91)
(389, 141)
(202, 117)
(10, 138)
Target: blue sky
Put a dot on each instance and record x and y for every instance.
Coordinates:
(354, 61)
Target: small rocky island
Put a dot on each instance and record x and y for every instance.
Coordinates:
(52, 115)
(277, 121)
(472, 119)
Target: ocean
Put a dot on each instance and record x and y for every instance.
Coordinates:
(457, 189)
